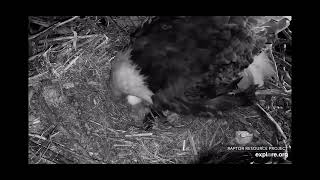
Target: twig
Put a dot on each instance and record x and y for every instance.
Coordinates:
(281, 59)
(39, 54)
(71, 63)
(51, 136)
(139, 135)
(67, 38)
(35, 79)
(221, 139)
(272, 120)
(96, 123)
(192, 143)
(42, 154)
(38, 136)
(74, 40)
(47, 161)
(52, 27)
(285, 85)
(287, 35)
(30, 96)
(278, 79)
(104, 42)
(34, 56)
(274, 92)
(111, 59)
(38, 21)
(214, 135)
(122, 145)
(184, 145)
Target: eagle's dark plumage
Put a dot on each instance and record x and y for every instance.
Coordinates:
(187, 64)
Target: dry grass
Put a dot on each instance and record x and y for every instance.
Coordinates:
(73, 118)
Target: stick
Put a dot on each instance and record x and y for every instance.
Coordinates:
(121, 145)
(71, 63)
(214, 135)
(38, 21)
(67, 38)
(34, 56)
(35, 79)
(272, 120)
(52, 27)
(192, 143)
(274, 92)
(39, 54)
(287, 35)
(104, 42)
(139, 135)
(38, 136)
(111, 59)
(184, 145)
(30, 96)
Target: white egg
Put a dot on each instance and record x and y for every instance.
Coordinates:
(133, 100)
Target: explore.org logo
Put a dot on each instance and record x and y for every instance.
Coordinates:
(266, 154)
(263, 150)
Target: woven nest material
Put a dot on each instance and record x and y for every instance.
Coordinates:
(74, 119)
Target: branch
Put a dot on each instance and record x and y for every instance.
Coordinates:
(273, 121)
(274, 92)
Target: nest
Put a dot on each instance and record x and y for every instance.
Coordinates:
(73, 118)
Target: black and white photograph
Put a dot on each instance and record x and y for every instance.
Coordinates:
(160, 90)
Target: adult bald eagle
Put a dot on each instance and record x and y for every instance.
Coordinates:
(190, 64)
